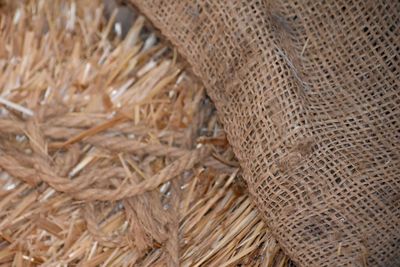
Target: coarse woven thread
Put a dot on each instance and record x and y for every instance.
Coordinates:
(308, 93)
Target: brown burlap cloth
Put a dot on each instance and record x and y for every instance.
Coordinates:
(308, 92)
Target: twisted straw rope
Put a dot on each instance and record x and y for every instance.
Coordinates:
(80, 187)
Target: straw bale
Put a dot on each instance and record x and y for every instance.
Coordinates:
(111, 153)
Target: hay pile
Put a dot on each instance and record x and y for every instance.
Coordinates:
(110, 152)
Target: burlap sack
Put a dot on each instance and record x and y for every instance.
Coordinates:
(308, 92)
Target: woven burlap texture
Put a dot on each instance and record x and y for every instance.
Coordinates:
(308, 92)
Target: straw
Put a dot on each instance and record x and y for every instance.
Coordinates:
(111, 153)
